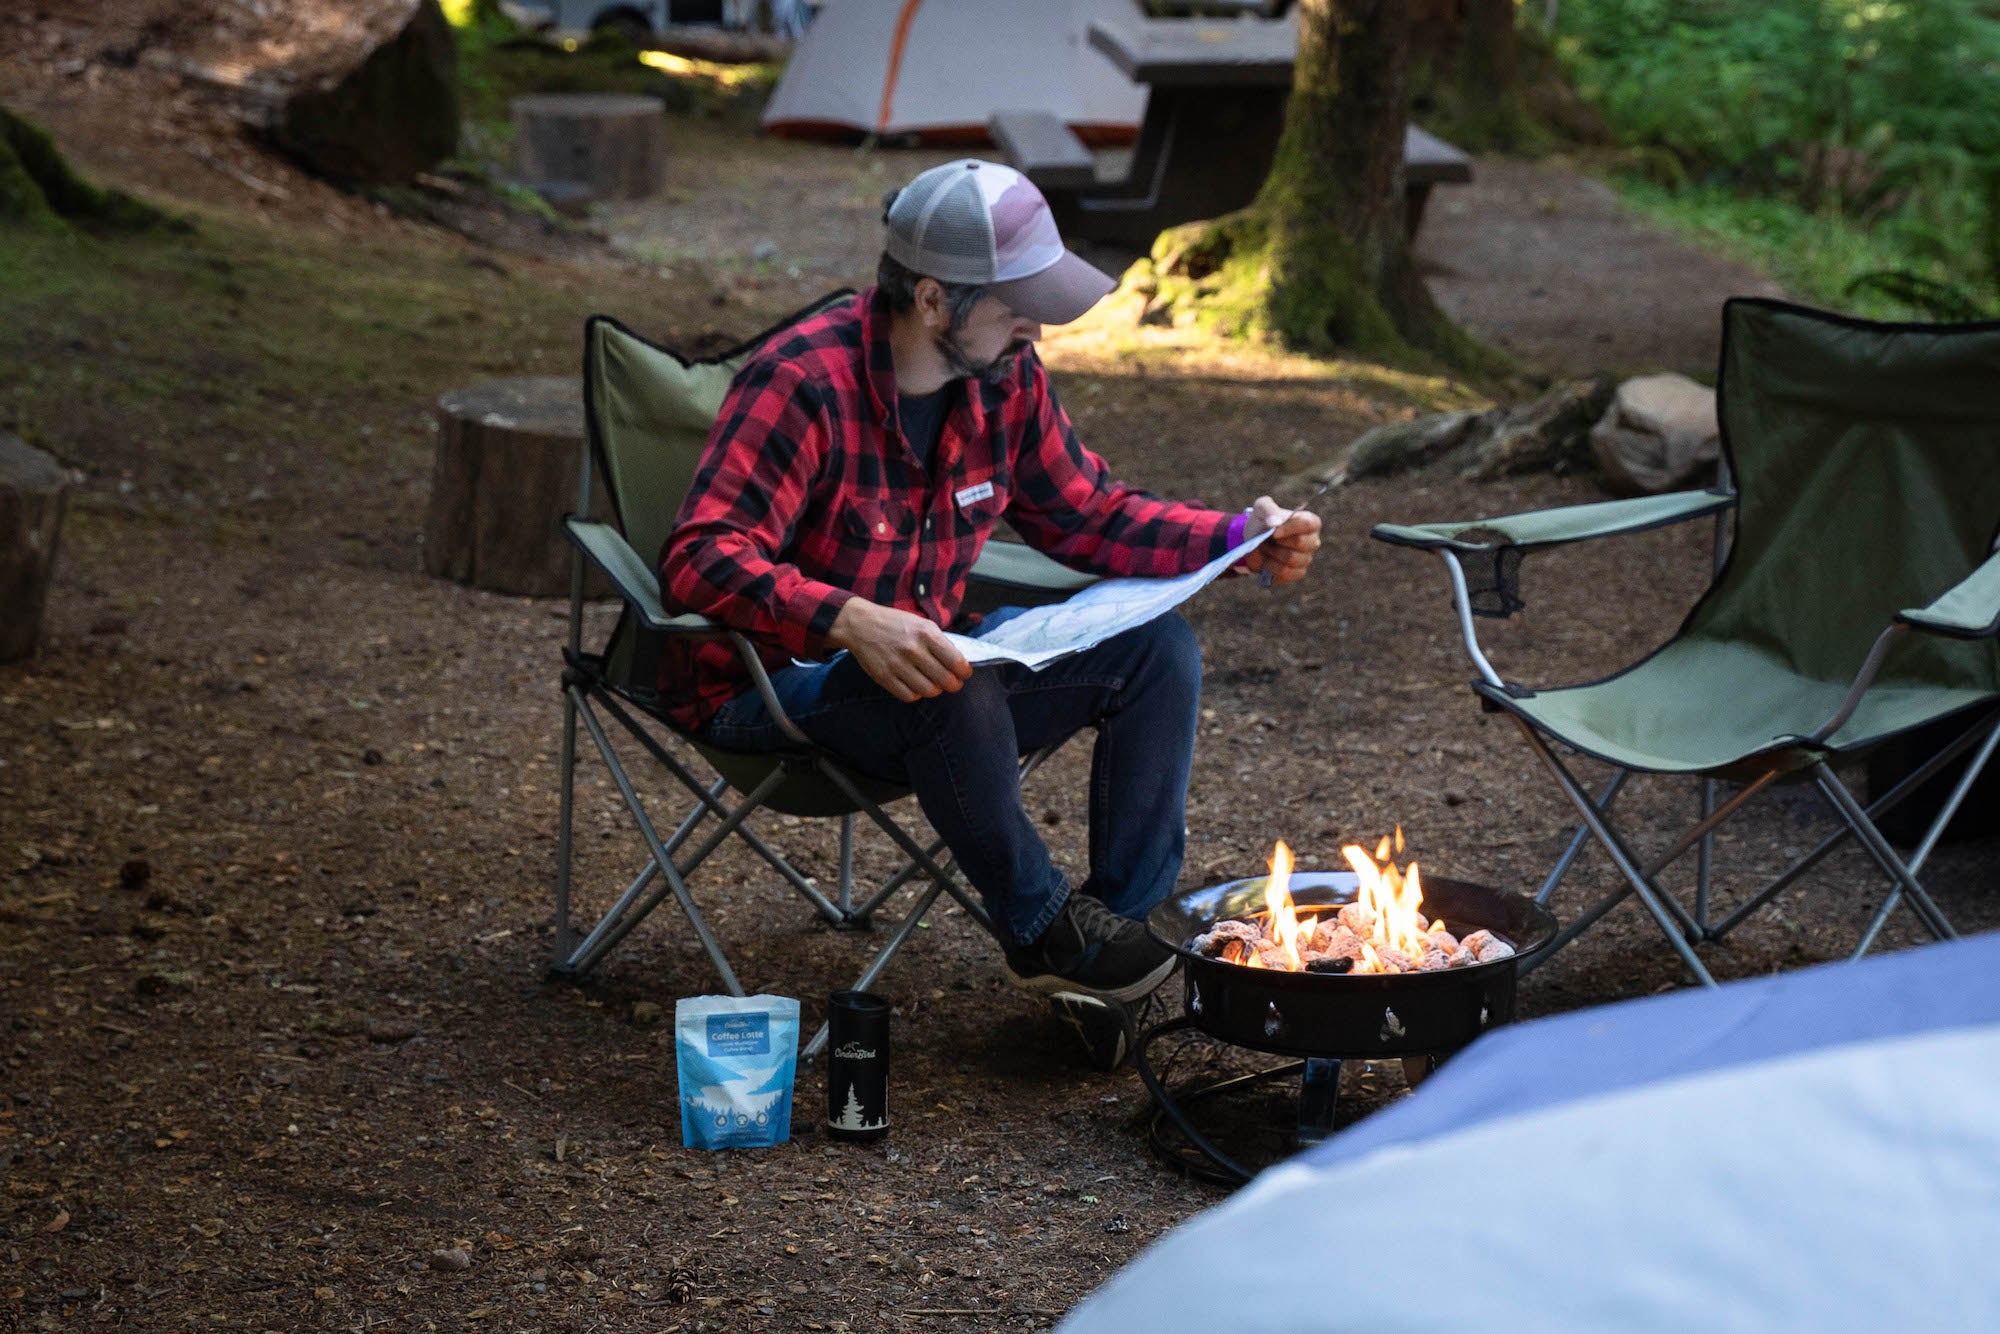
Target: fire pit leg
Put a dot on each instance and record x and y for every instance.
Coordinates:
(1319, 1091)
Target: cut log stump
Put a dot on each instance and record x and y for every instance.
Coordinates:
(614, 144)
(508, 455)
(34, 493)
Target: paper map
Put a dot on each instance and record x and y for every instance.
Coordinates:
(1040, 635)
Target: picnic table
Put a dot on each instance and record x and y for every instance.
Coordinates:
(1214, 114)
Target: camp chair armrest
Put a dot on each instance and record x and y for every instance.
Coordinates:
(1549, 528)
(1969, 609)
(606, 548)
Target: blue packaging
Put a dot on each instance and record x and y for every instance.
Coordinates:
(736, 1056)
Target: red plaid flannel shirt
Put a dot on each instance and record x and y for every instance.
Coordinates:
(807, 495)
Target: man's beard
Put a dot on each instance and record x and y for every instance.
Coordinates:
(994, 372)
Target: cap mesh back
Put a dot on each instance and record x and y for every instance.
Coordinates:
(939, 226)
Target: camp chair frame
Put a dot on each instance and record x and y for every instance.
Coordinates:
(801, 778)
(1969, 610)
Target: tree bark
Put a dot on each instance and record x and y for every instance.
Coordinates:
(1340, 270)
(1465, 72)
(34, 493)
(508, 454)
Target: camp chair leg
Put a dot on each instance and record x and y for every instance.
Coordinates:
(1704, 858)
(1885, 856)
(847, 866)
(567, 768)
(904, 930)
(664, 862)
(1621, 857)
(673, 765)
(1882, 804)
(1563, 863)
(1029, 763)
(1934, 833)
(613, 929)
(939, 876)
(580, 958)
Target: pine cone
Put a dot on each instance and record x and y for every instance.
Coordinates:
(680, 1285)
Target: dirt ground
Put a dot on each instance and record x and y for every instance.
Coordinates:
(278, 812)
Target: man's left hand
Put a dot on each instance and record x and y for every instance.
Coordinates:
(1290, 550)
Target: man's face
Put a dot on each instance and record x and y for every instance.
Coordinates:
(988, 342)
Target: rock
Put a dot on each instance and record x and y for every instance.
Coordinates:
(1658, 434)
(456, 1259)
(1550, 434)
(390, 1030)
(367, 91)
(34, 496)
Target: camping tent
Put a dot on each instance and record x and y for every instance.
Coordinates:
(1814, 1151)
(937, 69)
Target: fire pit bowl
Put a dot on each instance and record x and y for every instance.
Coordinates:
(1344, 1016)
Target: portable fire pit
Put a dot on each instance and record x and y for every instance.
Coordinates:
(1328, 1017)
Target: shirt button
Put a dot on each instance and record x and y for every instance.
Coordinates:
(881, 528)
(922, 589)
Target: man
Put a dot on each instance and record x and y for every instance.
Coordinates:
(858, 465)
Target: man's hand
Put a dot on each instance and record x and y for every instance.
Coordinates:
(1291, 547)
(903, 653)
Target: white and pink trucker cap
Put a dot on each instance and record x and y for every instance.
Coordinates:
(979, 222)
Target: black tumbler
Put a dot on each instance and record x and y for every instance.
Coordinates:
(857, 1066)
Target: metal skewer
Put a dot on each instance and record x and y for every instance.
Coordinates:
(1265, 575)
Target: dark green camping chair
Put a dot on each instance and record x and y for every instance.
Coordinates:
(1859, 599)
(648, 414)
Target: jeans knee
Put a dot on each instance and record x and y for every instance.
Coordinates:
(977, 706)
(1173, 647)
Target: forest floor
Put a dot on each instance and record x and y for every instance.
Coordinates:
(278, 812)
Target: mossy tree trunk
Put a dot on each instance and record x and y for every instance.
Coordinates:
(1340, 272)
(1465, 72)
(38, 188)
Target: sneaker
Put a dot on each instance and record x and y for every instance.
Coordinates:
(1108, 1029)
(1090, 949)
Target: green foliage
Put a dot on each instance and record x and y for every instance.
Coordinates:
(1877, 117)
(497, 63)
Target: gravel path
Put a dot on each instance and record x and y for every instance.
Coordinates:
(1549, 265)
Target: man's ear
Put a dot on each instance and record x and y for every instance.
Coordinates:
(930, 302)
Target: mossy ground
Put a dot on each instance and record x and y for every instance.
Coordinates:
(244, 358)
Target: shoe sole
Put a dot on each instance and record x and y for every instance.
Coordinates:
(1106, 1029)
(1049, 984)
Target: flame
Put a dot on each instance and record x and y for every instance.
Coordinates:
(1285, 925)
(1390, 899)
(1395, 897)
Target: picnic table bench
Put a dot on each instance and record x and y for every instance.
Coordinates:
(1213, 119)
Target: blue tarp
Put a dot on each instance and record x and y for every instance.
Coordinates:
(1813, 1151)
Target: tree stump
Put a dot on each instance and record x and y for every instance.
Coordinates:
(612, 143)
(508, 454)
(34, 493)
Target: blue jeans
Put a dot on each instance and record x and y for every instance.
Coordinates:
(958, 753)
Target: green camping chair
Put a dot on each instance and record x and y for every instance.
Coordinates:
(648, 413)
(1856, 599)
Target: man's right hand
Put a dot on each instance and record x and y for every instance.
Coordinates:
(903, 653)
